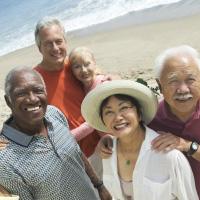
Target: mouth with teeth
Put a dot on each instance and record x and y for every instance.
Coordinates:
(121, 126)
(183, 98)
(58, 55)
(85, 76)
(31, 109)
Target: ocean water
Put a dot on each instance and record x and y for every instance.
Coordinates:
(19, 17)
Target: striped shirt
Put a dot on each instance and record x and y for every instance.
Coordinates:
(44, 168)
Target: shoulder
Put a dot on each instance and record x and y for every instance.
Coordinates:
(53, 113)
(176, 156)
(150, 133)
(172, 157)
(38, 68)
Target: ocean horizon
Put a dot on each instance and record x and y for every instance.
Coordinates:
(19, 17)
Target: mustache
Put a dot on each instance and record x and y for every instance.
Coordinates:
(183, 96)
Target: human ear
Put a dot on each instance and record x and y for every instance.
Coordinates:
(159, 85)
(8, 100)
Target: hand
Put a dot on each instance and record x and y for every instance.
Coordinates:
(104, 147)
(167, 141)
(3, 144)
(110, 77)
(3, 192)
(104, 194)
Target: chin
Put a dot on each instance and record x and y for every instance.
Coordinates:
(60, 61)
(121, 135)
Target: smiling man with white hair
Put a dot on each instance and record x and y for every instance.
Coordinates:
(178, 117)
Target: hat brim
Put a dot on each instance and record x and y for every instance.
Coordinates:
(92, 102)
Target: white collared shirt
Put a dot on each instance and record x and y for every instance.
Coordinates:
(156, 176)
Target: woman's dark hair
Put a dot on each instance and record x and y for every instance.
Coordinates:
(123, 97)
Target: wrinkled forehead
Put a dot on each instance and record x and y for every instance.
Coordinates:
(22, 78)
(180, 65)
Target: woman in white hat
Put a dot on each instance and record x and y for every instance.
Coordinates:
(122, 108)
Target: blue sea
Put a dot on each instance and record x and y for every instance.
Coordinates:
(19, 17)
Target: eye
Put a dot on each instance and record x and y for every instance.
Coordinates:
(108, 113)
(47, 44)
(87, 64)
(39, 90)
(125, 108)
(75, 66)
(59, 42)
(172, 82)
(20, 93)
(191, 80)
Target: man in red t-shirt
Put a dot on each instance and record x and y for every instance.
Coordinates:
(64, 91)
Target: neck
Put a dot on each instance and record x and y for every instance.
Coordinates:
(36, 129)
(132, 143)
(183, 116)
(51, 67)
(87, 85)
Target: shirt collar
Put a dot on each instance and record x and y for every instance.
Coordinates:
(16, 136)
(146, 145)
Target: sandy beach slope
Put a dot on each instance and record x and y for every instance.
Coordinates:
(127, 45)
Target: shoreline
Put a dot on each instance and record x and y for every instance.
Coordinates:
(129, 51)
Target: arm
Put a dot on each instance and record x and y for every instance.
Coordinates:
(15, 186)
(98, 184)
(110, 77)
(4, 192)
(3, 143)
(104, 147)
(167, 141)
(183, 180)
(82, 131)
(13, 183)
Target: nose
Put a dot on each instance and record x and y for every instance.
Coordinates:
(54, 46)
(84, 69)
(183, 88)
(118, 116)
(32, 97)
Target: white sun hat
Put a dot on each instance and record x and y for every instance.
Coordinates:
(90, 107)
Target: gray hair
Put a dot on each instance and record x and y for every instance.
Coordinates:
(45, 23)
(8, 80)
(173, 52)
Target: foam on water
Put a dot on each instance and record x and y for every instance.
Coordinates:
(18, 17)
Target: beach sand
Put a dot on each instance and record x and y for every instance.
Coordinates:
(127, 46)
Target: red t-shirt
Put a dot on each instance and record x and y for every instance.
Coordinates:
(66, 93)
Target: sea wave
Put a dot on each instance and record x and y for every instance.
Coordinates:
(76, 14)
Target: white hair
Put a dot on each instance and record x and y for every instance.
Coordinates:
(173, 52)
(45, 23)
(11, 75)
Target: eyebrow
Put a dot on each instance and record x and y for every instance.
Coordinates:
(123, 101)
(174, 75)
